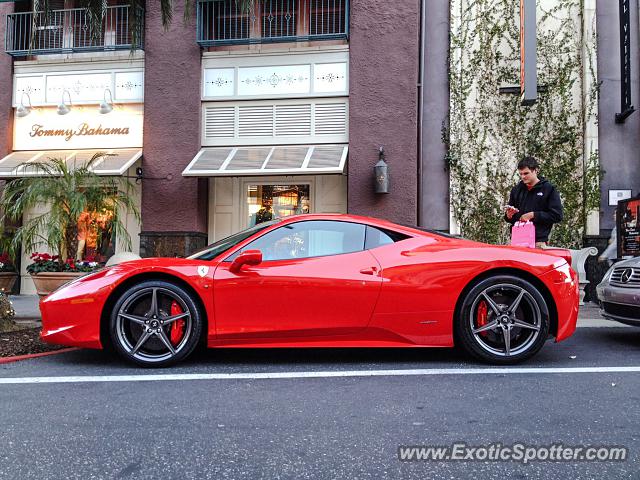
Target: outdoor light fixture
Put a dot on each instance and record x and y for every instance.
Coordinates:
(62, 108)
(23, 111)
(106, 106)
(381, 171)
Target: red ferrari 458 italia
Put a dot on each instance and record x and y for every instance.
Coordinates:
(323, 281)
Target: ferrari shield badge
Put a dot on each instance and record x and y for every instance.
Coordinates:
(203, 270)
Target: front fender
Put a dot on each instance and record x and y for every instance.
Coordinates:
(72, 314)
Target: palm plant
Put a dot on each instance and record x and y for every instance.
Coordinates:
(69, 191)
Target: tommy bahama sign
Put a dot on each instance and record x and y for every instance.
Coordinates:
(38, 130)
(82, 128)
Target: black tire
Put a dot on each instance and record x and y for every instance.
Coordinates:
(142, 334)
(481, 331)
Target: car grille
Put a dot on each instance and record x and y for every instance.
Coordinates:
(620, 273)
(628, 311)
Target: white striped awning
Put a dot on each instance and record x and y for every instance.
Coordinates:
(268, 160)
(114, 162)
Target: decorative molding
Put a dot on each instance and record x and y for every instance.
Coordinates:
(85, 87)
(330, 77)
(281, 80)
(219, 82)
(277, 76)
(129, 86)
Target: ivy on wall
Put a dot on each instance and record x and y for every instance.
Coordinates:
(489, 132)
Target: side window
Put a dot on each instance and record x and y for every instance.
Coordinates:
(309, 239)
(376, 237)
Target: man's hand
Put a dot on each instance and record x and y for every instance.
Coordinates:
(510, 211)
(526, 217)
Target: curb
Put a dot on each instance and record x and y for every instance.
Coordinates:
(18, 358)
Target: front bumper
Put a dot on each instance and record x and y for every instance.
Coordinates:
(619, 303)
(71, 322)
(563, 283)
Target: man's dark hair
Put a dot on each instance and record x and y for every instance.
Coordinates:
(528, 162)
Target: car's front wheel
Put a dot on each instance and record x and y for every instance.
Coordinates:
(503, 320)
(155, 323)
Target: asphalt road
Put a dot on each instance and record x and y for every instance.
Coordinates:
(325, 427)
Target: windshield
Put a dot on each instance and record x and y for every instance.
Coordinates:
(212, 251)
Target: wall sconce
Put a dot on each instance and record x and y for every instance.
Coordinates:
(23, 111)
(381, 171)
(62, 108)
(106, 106)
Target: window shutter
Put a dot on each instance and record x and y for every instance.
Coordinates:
(255, 121)
(292, 120)
(219, 122)
(331, 119)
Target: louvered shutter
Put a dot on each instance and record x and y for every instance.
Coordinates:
(219, 122)
(293, 120)
(331, 119)
(255, 121)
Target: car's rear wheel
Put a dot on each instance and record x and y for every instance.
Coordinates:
(155, 323)
(503, 320)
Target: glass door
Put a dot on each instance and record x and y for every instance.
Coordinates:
(268, 201)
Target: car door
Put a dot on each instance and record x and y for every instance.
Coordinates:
(315, 279)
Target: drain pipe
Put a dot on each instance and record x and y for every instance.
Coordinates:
(421, 46)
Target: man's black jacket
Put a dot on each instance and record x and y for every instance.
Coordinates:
(543, 200)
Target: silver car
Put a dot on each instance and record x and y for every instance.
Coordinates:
(619, 292)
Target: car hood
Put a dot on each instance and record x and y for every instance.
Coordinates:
(629, 262)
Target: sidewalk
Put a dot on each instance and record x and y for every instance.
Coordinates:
(27, 312)
(26, 308)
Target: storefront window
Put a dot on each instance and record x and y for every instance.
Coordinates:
(269, 202)
(96, 239)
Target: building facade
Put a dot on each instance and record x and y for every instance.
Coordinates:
(235, 116)
(232, 116)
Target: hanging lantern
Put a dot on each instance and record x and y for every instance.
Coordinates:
(381, 171)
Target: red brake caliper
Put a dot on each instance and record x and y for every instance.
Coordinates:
(177, 327)
(482, 316)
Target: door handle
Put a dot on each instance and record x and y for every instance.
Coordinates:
(369, 271)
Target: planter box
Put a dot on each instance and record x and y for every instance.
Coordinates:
(7, 280)
(47, 282)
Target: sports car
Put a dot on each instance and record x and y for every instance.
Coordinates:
(320, 280)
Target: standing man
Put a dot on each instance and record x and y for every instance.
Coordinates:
(534, 199)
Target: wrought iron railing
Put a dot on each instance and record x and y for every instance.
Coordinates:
(62, 31)
(224, 22)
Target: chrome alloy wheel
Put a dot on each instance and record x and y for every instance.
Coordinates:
(143, 325)
(512, 322)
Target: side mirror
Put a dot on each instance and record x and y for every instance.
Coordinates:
(248, 257)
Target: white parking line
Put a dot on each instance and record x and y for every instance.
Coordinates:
(325, 374)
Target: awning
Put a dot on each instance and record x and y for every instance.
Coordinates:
(115, 162)
(268, 160)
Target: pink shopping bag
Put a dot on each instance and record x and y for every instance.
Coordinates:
(523, 234)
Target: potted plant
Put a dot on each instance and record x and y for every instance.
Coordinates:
(8, 274)
(72, 194)
(49, 273)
